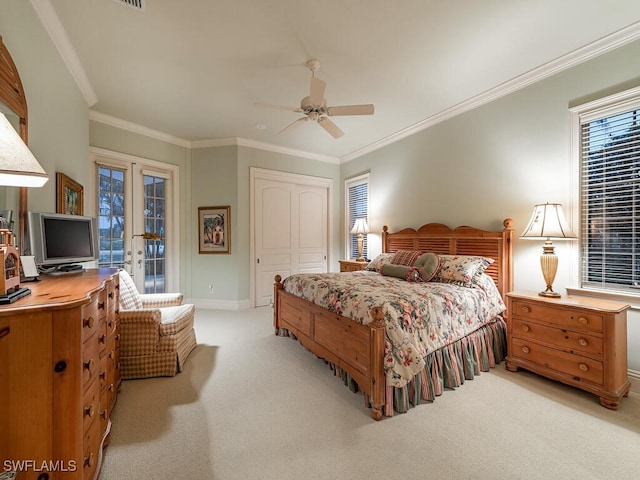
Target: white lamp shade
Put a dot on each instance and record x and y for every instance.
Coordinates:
(18, 166)
(360, 226)
(547, 221)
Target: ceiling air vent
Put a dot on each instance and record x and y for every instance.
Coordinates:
(137, 4)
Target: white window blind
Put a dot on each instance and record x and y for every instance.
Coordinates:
(610, 198)
(357, 202)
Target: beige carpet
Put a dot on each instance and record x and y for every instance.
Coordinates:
(250, 405)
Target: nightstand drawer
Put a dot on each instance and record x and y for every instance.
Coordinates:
(579, 367)
(564, 318)
(564, 339)
(352, 265)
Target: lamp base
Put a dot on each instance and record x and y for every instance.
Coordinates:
(548, 293)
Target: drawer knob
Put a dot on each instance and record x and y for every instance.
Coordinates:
(88, 461)
(583, 342)
(89, 411)
(103, 338)
(584, 367)
(101, 306)
(525, 328)
(89, 365)
(112, 355)
(526, 309)
(525, 349)
(110, 387)
(103, 375)
(104, 414)
(583, 320)
(88, 322)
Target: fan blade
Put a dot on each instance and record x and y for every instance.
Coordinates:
(277, 107)
(293, 125)
(316, 96)
(351, 110)
(330, 127)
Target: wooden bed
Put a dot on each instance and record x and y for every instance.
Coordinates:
(359, 349)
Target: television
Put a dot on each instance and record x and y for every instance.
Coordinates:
(60, 241)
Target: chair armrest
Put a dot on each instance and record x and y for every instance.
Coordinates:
(145, 315)
(156, 300)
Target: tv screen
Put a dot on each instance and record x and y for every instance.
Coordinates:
(58, 239)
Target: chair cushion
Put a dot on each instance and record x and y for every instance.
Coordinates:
(175, 319)
(129, 296)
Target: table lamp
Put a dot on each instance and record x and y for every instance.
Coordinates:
(547, 222)
(360, 227)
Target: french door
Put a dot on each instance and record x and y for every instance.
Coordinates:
(135, 208)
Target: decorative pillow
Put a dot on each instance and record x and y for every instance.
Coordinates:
(410, 274)
(376, 264)
(405, 257)
(463, 270)
(429, 264)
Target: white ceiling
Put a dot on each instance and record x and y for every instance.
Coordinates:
(194, 69)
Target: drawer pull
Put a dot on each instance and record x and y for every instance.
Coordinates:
(89, 411)
(103, 375)
(112, 355)
(526, 309)
(88, 322)
(525, 349)
(101, 306)
(525, 328)
(103, 338)
(583, 321)
(88, 461)
(89, 365)
(582, 342)
(110, 387)
(584, 367)
(104, 414)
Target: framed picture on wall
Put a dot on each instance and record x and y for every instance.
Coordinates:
(214, 229)
(69, 195)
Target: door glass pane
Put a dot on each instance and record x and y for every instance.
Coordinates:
(154, 222)
(111, 217)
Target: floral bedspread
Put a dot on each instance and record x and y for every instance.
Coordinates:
(420, 318)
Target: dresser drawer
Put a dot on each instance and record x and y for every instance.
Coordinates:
(90, 320)
(91, 449)
(564, 339)
(90, 361)
(90, 405)
(564, 318)
(580, 368)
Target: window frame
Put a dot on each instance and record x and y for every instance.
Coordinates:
(580, 114)
(363, 179)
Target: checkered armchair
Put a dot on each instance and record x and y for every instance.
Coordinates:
(156, 332)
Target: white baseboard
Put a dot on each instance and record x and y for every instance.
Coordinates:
(220, 304)
(634, 380)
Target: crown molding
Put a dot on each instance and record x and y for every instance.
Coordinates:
(288, 151)
(58, 35)
(136, 128)
(583, 54)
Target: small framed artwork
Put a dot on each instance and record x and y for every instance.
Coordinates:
(214, 229)
(69, 195)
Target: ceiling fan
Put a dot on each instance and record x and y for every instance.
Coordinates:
(315, 106)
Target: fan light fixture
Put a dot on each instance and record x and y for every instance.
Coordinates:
(18, 166)
(547, 222)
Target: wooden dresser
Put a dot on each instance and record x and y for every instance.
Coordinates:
(580, 341)
(59, 377)
(352, 265)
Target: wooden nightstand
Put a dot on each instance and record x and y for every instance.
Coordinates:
(352, 265)
(579, 341)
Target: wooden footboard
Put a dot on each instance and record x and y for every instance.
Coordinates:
(357, 349)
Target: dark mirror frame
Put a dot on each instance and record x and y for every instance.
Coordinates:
(12, 95)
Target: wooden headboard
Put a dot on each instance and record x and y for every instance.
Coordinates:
(439, 238)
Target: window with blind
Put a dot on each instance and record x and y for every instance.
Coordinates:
(609, 157)
(357, 203)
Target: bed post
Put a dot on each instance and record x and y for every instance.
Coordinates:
(385, 232)
(376, 366)
(277, 288)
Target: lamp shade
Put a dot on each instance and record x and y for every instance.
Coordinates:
(18, 166)
(547, 221)
(360, 226)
